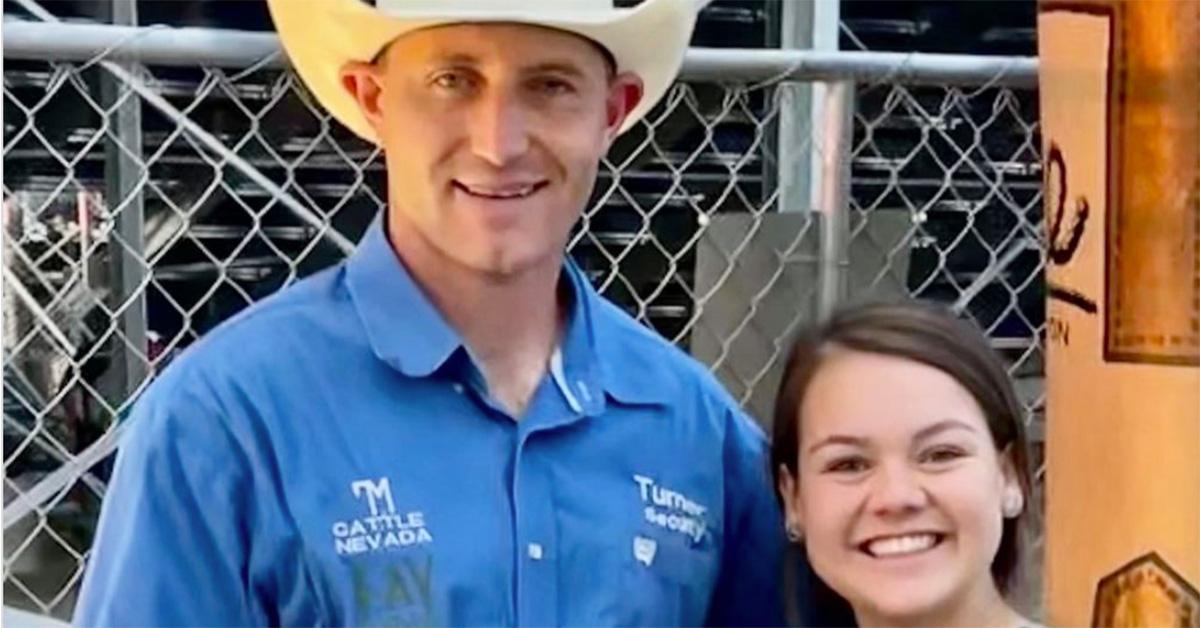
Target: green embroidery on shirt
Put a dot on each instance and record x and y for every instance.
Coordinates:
(399, 592)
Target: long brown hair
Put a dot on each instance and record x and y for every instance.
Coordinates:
(932, 336)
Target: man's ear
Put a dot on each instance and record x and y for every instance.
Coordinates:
(625, 91)
(364, 81)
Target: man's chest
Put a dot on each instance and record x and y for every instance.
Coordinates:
(446, 516)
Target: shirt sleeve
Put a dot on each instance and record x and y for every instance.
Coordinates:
(171, 547)
(749, 587)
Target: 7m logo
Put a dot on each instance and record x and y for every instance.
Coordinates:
(383, 528)
(377, 492)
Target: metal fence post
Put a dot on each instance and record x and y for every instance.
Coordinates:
(123, 172)
(814, 27)
(836, 136)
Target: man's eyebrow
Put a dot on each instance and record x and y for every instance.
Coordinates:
(454, 58)
(561, 67)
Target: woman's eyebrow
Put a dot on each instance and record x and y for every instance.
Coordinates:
(838, 439)
(942, 426)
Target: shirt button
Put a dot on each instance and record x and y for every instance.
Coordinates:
(535, 551)
(458, 388)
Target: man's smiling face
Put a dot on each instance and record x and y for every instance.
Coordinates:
(493, 134)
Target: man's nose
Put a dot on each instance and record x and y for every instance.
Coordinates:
(499, 130)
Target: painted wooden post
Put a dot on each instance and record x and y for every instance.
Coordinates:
(1120, 108)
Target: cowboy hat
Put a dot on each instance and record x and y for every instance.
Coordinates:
(320, 36)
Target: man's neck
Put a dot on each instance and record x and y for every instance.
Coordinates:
(510, 324)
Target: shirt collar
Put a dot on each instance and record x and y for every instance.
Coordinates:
(581, 376)
(403, 327)
(406, 331)
(617, 351)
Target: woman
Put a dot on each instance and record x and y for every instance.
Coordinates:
(901, 462)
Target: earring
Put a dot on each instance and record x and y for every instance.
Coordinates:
(1012, 504)
(794, 534)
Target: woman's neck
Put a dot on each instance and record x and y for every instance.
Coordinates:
(982, 607)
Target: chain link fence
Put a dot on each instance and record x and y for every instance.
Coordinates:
(129, 232)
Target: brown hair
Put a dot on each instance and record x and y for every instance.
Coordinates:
(932, 336)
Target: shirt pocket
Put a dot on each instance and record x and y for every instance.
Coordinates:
(665, 581)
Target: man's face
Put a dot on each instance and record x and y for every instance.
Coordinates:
(492, 134)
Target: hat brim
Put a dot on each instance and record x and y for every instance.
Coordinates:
(320, 37)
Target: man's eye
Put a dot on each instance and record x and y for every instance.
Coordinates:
(451, 81)
(554, 87)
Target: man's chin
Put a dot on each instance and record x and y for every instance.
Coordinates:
(506, 265)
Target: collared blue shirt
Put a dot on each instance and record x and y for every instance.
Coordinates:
(331, 456)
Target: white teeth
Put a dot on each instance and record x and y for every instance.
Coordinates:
(900, 545)
(503, 193)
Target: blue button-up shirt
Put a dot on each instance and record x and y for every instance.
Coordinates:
(332, 456)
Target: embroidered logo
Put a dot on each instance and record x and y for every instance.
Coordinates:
(383, 528)
(672, 510)
(644, 550)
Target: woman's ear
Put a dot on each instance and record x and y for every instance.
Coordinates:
(1012, 500)
(793, 512)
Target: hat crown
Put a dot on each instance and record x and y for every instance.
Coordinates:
(506, 6)
(321, 36)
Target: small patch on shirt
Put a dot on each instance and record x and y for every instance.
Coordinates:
(644, 550)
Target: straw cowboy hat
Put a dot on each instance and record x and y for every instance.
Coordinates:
(320, 36)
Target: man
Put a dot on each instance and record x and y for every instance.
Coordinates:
(451, 427)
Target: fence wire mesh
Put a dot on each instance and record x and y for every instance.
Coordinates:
(126, 239)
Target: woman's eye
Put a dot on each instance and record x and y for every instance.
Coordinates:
(846, 465)
(942, 454)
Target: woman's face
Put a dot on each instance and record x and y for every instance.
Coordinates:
(900, 487)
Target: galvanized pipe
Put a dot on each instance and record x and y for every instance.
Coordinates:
(162, 45)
